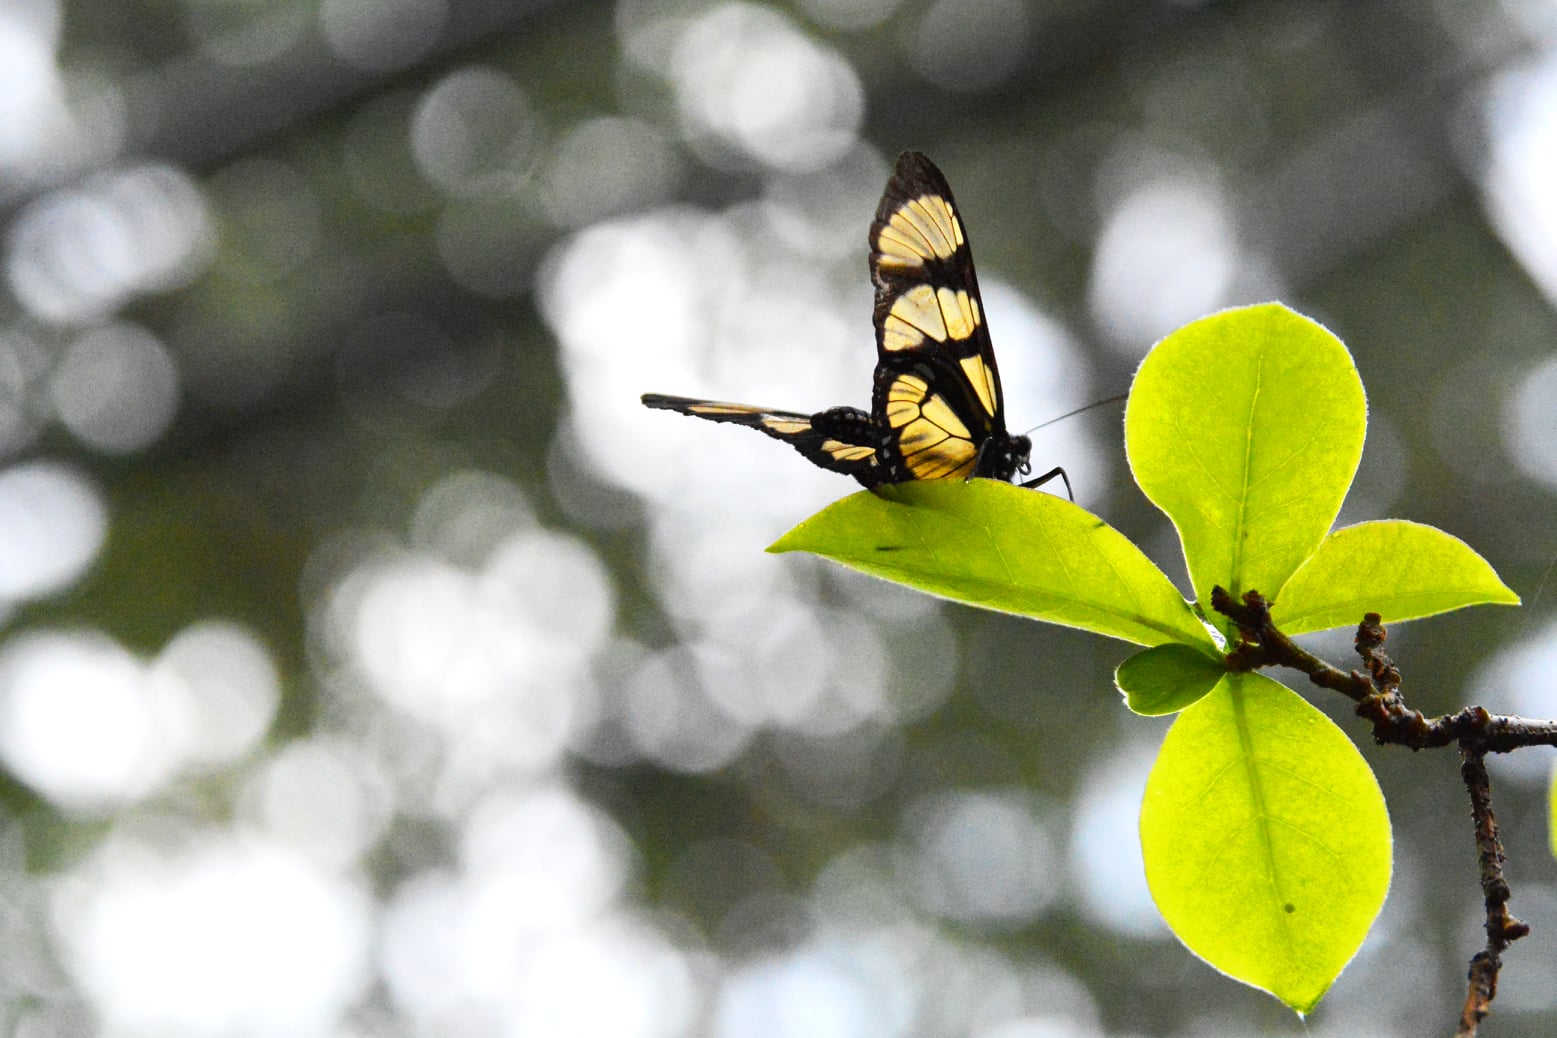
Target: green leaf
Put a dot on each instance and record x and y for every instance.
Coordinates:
(1398, 569)
(1551, 828)
(1265, 838)
(1246, 427)
(1002, 547)
(1167, 678)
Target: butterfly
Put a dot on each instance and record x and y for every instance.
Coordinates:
(936, 410)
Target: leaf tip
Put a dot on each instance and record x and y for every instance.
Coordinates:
(783, 545)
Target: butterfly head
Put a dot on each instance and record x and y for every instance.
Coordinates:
(1001, 457)
(1019, 450)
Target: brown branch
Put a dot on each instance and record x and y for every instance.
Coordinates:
(1376, 693)
(1379, 701)
(1502, 928)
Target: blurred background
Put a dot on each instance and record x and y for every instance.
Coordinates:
(374, 663)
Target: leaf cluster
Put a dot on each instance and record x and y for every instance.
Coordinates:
(1264, 834)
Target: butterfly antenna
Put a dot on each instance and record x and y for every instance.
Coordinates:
(1088, 407)
(1541, 587)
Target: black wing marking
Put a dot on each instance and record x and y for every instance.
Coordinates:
(842, 439)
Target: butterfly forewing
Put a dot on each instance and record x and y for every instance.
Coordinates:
(937, 387)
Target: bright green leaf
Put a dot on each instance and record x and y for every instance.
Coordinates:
(1246, 427)
(1551, 828)
(1265, 838)
(1398, 569)
(1002, 547)
(1167, 678)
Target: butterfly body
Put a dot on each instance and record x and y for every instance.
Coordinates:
(936, 410)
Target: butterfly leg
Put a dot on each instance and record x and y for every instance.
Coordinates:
(1033, 484)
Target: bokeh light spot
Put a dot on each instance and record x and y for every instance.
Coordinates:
(54, 523)
(53, 120)
(80, 723)
(671, 722)
(619, 979)
(1167, 254)
(467, 514)
(77, 254)
(474, 133)
(767, 662)
(1517, 679)
(752, 86)
(808, 995)
(382, 35)
(1530, 424)
(1105, 846)
(1521, 110)
(558, 584)
(979, 857)
(491, 656)
(227, 686)
(29, 84)
(232, 936)
(116, 388)
(321, 796)
(247, 32)
(554, 861)
(527, 930)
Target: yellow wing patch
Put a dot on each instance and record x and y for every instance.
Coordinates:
(921, 229)
(934, 442)
(712, 408)
(848, 451)
(934, 313)
(960, 311)
(982, 378)
(914, 315)
(903, 399)
(786, 426)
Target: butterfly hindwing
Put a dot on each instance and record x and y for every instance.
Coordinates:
(926, 435)
(843, 439)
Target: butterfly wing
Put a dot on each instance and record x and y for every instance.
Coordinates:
(842, 439)
(937, 411)
(937, 395)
